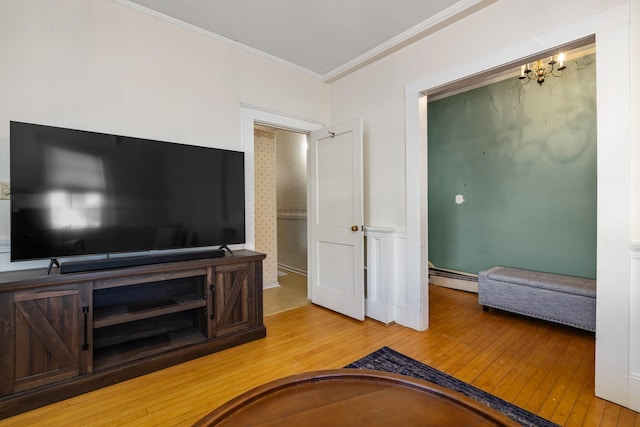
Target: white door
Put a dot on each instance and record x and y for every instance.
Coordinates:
(336, 247)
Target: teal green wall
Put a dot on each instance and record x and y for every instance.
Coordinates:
(524, 159)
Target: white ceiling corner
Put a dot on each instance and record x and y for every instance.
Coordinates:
(327, 38)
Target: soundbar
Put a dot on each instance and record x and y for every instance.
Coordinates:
(106, 264)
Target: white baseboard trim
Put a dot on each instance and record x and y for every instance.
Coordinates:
(634, 331)
(271, 285)
(634, 391)
(292, 269)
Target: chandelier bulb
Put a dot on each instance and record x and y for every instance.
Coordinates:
(540, 70)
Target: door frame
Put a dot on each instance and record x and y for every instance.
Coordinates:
(611, 30)
(250, 116)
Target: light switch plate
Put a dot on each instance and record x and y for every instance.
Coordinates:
(5, 192)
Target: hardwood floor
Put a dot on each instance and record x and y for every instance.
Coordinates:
(292, 293)
(544, 368)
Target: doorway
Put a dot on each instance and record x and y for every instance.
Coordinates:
(281, 215)
(614, 183)
(512, 142)
(252, 116)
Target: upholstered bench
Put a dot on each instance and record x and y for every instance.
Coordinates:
(554, 297)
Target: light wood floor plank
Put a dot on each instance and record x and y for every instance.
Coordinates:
(611, 415)
(578, 413)
(543, 363)
(561, 372)
(506, 376)
(544, 368)
(493, 366)
(560, 381)
(627, 418)
(571, 393)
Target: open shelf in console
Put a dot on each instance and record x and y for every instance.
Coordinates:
(146, 300)
(138, 320)
(122, 343)
(129, 312)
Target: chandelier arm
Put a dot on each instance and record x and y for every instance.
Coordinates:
(540, 71)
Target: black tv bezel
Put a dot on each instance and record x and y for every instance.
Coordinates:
(85, 261)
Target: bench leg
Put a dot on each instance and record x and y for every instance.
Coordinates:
(485, 308)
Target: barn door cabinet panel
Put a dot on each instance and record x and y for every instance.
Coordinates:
(231, 298)
(63, 335)
(47, 337)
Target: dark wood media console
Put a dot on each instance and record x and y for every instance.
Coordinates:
(62, 335)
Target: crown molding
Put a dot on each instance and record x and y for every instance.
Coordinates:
(446, 17)
(438, 21)
(139, 8)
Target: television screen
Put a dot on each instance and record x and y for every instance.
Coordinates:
(77, 193)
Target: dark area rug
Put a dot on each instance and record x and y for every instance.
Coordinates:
(389, 360)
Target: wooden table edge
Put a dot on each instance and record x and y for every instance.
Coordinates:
(229, 408)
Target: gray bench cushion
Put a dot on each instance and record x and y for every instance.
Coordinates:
(558, 298)
(553, 282)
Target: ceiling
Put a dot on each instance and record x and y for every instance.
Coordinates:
(328, 38)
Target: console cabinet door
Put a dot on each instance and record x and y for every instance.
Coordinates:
(233, 297)
(47, 338)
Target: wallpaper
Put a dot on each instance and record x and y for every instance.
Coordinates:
(265, 203)
(281, 200)
(291, 158)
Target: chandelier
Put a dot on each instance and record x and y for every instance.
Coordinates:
(540, 71)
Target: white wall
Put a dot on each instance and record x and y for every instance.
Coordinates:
(634, 300)
(475, 44)
(101, 66)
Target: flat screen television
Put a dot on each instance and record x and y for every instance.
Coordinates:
(76, 192)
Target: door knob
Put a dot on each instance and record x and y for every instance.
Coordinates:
(354, 228)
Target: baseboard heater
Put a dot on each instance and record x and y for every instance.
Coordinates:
(134, 261)
(449, 274)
